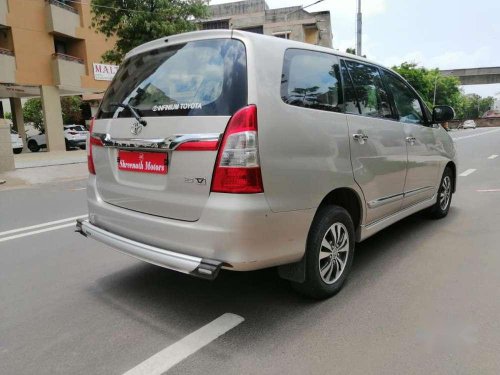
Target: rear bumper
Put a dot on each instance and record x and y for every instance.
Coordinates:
(76, 142)
(238, 230)
(204, 268)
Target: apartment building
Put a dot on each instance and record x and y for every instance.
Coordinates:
(290, 23)
(48, 49)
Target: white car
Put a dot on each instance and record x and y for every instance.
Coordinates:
(17, 142)
(468, 124)
(74, 135)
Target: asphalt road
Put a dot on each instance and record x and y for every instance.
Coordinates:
(423, 296)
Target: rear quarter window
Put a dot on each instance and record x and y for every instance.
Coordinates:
(312, 80)
(200, 78)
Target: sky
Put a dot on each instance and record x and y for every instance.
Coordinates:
(446, 34)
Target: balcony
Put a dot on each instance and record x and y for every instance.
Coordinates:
(4, 9)
(7, 66)
(67, 70)
(61, 18)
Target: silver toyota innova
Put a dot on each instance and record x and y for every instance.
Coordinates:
(227, 149)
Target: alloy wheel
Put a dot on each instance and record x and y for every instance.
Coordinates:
(333, 253)
(445, 193)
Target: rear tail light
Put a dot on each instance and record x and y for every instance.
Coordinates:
(237, 168)
(92, 142)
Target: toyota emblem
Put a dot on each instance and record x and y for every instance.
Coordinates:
(136, 128)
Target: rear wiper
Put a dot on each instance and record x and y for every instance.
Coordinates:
(133, 111)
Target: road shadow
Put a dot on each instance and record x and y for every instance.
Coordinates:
(157, 297)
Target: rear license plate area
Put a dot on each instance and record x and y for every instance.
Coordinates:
(143, 162)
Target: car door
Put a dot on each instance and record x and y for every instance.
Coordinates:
(377, 141)
(423, 156)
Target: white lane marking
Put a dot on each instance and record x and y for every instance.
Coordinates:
(488, 190)
(36, 232)
(475, 134)
(467, 172)
(175, 353)
(493, 156)
(42, 225)
(76, 189)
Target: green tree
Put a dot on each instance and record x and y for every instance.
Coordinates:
(352, 51)
(71, 110)
(7, 116)
(70, 107)
(134, 22)
(426, 80)
(32, 112)
(473, 106)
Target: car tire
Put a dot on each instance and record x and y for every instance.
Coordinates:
(445, 192)
(33, 146)
(17, 150)
(329, 253)
(68, 147)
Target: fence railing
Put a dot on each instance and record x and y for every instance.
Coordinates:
(7, 52)
(62, 56)
(62, 5)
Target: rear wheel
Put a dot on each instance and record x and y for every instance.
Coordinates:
(33, 146)
(445, 192)
(329, 253)
(17, 150)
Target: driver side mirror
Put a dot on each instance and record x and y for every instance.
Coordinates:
(442, 113)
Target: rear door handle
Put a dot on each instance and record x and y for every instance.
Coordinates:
(360, 137)
(411, 140)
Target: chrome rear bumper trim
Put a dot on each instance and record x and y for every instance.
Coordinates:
(204, 268)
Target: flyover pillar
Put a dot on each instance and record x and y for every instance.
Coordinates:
(52, 118)
(18, 119)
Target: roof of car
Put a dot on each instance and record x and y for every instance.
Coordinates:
(225, 33)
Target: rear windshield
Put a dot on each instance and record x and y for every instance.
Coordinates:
(201, 78)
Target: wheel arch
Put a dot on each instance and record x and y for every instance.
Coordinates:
(453, 169)
(344, 197)
(347, 198)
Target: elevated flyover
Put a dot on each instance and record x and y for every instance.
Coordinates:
(475, 76)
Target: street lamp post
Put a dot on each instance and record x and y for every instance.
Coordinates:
(435, 89)
(359, 25)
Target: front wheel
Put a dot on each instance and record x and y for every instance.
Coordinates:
(33, 146)
(329, 253)
(445, 193)
(17, 150)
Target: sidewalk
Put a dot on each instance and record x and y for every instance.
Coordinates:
(45, 167)
(43, 159)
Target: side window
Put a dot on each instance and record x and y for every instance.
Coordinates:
(370, 92)
(312, 80)
(350, 102)
(407, 103)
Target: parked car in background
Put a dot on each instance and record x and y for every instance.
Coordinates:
(229, 149)
(468, 124)
(75, 137)
(17, 142)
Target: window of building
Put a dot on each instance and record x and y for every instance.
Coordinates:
(312, 80)
(60, 47)
(214, 25)
(370, 92)
(283, 34)
(255, 29)
(311, 34)
(406, 101)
